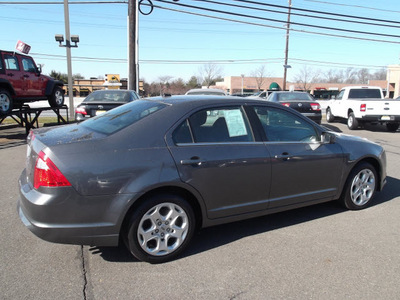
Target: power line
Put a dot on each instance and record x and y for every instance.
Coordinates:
(297, 14)
(177, 62)
(318, 11)
(350, 5)
(281, 21)
(277, 27)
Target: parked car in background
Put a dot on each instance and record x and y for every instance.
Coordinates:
(101, 101)
(262, 95)
(212, 92)
(364, 104)
(151, 172)
(303, 102)
(22, 81)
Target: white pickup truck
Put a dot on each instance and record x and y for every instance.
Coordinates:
(364, 104)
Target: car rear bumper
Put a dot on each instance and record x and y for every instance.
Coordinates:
(65, 217)
(381, 118)
(315, 117)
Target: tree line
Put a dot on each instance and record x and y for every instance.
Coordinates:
(210, 73)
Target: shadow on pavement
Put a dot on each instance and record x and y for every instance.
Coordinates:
(12, 136)
(214, 237)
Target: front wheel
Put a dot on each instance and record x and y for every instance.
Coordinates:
(352, 122)
(56, 98)
(360, 187)
(6, 103)
(160, 228)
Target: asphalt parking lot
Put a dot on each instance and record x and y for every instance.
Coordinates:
(318, 252)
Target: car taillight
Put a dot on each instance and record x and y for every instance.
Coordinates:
(47, 173)
(363, 107)
(286, 104)
(315, 106)
(81, 110)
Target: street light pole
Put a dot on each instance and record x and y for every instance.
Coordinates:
(287, 45)
(133, 65)
(69, 63)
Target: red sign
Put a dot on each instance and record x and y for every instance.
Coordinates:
(22, 47)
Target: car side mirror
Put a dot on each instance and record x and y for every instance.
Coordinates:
(328, 138)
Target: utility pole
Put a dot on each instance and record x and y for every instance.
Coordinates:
(286, 66)
(133, 65)
(69, 63)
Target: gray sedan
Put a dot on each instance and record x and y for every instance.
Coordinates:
(151, 172)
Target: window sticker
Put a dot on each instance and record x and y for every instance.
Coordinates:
(235, 123)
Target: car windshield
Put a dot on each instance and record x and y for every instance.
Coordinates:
(293, 96)
(122, 116)
(108, 96)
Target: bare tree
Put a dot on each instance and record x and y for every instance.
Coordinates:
(379, 75)
(306, 77)
(260, 75)
(163, 80)
(177, 87)
(332, 76)
(209, 73)
(349, 76)
(363, 76)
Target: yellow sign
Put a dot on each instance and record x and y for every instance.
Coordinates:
(113, 78)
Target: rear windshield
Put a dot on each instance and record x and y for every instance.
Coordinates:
(122, 116)
(108, 96)
(293, 96)
(364, 93)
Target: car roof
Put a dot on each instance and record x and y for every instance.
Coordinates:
(200, 100)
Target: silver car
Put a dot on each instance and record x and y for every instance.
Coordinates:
(151, 172)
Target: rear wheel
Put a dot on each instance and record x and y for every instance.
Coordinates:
(329, 116)
(352, 122)
(360, 187)
(6, 103)
(160, 228)
(56, 98)
(392, 127)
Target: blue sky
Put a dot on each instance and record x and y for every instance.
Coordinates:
(177, 44)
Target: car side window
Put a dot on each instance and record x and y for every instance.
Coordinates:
(28, 65)
(283, 126)
(340, 95)
(11, 63)
(222, 125)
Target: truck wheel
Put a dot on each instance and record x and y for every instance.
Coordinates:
(56, 98)
(352, 122)
(329, 117)
(6, 103)
(392, 127)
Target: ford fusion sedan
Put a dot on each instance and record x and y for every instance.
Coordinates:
(151, 172)
(101, 101)
(303, 102)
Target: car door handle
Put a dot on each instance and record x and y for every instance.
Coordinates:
(196, 161)
(284, 156)
(10, 74)
(26, 76)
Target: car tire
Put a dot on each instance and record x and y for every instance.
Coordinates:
(56, 98)
(6, 102)
(392, 127)
(360, 187)
(352, 122)
(329, 117)
(160, 228)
